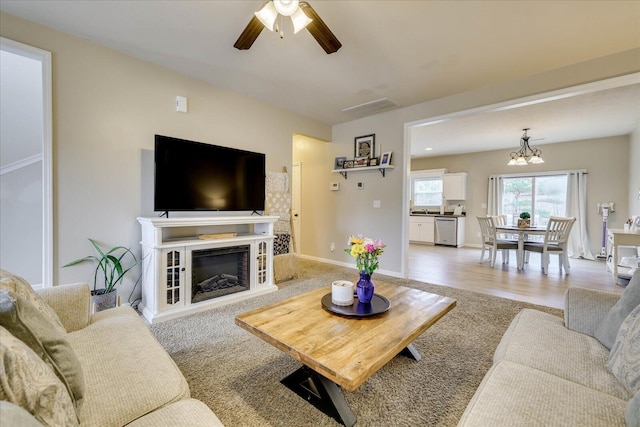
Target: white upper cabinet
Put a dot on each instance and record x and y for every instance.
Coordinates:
(454, 186)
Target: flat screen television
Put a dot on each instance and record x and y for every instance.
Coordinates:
(192, 176)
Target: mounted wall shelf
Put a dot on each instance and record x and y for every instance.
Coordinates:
(344, 172)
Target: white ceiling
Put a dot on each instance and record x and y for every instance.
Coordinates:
(408, 51)
(578, 116)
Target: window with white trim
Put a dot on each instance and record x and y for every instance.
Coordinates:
(426, 189)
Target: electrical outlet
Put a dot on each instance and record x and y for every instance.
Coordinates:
(333, 246)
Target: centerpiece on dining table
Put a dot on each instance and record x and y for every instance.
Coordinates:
(525, 220)
(366, 252)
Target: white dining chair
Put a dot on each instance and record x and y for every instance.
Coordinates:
(555, 241)
(491, 243)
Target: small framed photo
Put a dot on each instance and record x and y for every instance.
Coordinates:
(373, 161)
(385, 159)
(339, 162)
(365, 146)
(360, 162)
(348, 164)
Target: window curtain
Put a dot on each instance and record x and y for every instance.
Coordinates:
(578, 244)
(494, 200)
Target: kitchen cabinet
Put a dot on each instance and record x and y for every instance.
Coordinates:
(454, 186)
(421, 229)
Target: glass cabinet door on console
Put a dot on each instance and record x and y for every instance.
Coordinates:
(262, 264)
(172, 278)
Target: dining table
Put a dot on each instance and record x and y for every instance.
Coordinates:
(523, 233)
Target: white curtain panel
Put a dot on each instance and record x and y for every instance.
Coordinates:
(578, 244)
(494, 200)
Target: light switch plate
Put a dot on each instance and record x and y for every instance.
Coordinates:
(334, 186)
(181, 104)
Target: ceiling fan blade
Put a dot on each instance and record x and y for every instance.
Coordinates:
(319, 30)
(249, 35)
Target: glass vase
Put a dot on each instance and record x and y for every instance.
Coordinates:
(365, 288)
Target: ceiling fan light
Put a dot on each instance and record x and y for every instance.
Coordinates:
(300, 20)
(267, 15)
(286, 7)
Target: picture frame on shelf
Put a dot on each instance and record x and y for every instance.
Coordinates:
(339, 162)
(385, 159)
(360, 162)
(365, 146)
(373, 161)
(348, 164)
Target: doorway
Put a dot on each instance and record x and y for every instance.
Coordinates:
(26, 218)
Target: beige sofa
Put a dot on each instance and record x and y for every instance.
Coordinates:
(550, 372)
(128, 378)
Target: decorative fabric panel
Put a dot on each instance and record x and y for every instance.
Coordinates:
(281, 244)
(278, 182)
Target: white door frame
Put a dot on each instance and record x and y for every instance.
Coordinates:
(44, 57)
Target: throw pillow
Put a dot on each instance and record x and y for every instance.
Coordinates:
(21, 287)
(26, 322)
(624, 359)
(28, 382)
(607, 330)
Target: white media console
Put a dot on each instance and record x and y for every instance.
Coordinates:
(168, 246)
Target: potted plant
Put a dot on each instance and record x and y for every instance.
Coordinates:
(525, 220)
(112, 271)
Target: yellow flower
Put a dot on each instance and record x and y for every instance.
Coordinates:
(356, 241)
(357, 249)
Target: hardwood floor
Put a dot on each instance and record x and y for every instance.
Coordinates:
(460, 268)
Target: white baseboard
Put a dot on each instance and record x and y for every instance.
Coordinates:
(351, 265)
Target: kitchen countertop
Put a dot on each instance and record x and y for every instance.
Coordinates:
(438, 215)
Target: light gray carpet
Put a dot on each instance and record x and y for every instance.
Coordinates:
(238, 375)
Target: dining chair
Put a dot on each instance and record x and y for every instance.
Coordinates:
(555, 241)
(491, 243)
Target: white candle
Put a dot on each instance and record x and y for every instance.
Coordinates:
(342, 292)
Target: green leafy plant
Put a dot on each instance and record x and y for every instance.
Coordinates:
(109, 264)
(525, 215)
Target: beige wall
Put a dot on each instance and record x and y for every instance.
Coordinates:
(605, 160)
(389, 130)
(106, 108)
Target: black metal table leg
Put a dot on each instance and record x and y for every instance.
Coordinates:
(410, 351)
(322, 393)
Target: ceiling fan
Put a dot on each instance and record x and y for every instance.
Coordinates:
(302, 15)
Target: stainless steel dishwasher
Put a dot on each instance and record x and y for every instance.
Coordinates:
(446, 231)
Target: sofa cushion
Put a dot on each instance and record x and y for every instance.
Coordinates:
(632, 414)
(21, 287)
(127, 372)
(30, 383)
(541, 341)
(624, 359)
(516, 395)
(630, 299)
(13, 415)
(27, 323)
(187, 412)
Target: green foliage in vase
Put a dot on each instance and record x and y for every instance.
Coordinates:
(109, 265)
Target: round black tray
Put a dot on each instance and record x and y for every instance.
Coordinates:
(378, 305)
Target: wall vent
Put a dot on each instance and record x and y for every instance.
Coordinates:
(371, 107)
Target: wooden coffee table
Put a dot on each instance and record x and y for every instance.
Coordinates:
(339, 351)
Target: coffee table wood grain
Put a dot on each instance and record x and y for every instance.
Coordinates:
(346, 350)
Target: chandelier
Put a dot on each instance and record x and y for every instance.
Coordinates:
(270, 11)
(525, 154)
